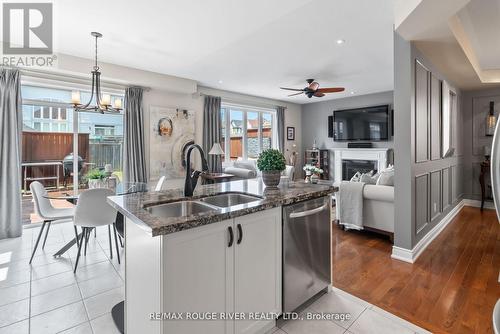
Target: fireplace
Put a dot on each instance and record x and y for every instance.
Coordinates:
(358, 159)
(350, 167)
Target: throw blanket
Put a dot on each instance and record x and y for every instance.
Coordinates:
(350, 204)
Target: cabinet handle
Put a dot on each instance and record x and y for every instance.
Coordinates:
(231, 236)
(240, 234)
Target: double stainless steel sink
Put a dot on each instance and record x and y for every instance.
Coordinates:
(230, 199)
(205, 204)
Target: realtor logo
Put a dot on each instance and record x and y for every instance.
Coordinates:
(27, 28)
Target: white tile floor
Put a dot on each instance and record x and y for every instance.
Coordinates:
(47, 297)
(365, 318)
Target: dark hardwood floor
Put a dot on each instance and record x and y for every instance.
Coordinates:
(451, 288)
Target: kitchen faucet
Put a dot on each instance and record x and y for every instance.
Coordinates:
(192, 176)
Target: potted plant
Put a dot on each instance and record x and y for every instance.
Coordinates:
(316, 173)
(96, 178)
(312, 173)
(271, 163)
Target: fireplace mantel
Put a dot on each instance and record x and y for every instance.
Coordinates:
(380, 155)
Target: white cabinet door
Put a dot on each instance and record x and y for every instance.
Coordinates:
(198, 277)
(257, 267)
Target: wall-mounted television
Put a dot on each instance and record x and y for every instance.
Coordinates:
(369, 123)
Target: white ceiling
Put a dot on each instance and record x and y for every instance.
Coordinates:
(251, 47)
(460, 37)
(481, 22)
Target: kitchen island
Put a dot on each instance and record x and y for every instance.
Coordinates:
(211, 263)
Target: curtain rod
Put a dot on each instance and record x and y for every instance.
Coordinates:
(248, 102)
(69, 78)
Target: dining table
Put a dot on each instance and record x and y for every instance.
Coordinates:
(121, 188)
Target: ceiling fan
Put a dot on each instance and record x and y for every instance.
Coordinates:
(313, 89)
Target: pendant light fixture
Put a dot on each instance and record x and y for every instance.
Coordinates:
(102, 101)
(491, 120)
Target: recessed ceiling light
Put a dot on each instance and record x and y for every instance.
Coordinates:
(340, 41)
(353, 92)
(220, 81)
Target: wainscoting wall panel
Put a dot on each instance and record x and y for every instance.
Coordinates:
(455, 191)
(446, 186)
(460, 177)
(425, 126)
(435, 195)
(435, 118)
(421, 202)
(421, 113)
(475, 108)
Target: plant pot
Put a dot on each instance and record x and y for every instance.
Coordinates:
(314, 179)
(271, 178)
(97, 183)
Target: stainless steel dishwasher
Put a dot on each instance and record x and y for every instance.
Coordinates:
(306, 251)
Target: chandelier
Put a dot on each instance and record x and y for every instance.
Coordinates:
(102, 101)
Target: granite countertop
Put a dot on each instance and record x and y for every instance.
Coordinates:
(133, 205)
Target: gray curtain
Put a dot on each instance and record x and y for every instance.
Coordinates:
(212, 132)
(280, 111)
(134, 168)
(10, 153)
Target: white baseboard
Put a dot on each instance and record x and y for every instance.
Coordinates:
(411, 256)
(402, 254)
(477, 203)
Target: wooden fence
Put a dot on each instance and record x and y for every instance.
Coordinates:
(107, 152)
(50, 146)
(236, 143)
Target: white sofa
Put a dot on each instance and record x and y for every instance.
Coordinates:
(247, 169)
(378, 208)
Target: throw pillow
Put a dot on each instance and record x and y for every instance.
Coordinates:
(355, 177)
(386, 178)
(250, 165)
(368, 178)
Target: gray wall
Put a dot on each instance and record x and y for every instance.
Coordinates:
(475, 107)
(427, 186)
(315, 120)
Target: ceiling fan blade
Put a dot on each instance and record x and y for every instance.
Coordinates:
(296, 94)
(294, 89)
(331, 90)
(313, 86)
(319, 94)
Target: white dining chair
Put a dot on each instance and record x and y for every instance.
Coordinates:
(93, 210)
(44, 209)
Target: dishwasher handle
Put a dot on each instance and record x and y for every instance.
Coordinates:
(308, 212)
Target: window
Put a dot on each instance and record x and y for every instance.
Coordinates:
(267, 131)
(46, 114)
(246, 131)
(253, 140)
(236, 134)
(104, 130)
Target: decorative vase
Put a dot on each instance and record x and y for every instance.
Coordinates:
(314, 178)
(308, 177)
(271, 178)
